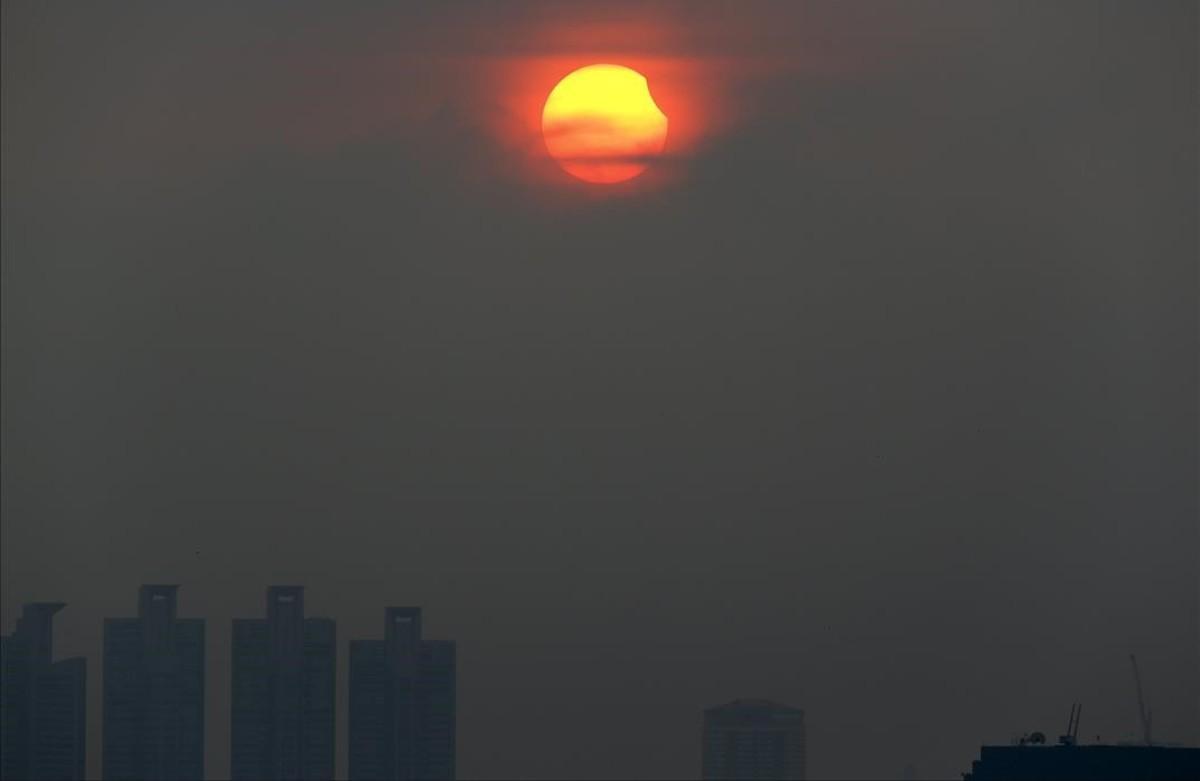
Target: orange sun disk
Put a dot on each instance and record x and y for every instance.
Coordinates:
(602, 125)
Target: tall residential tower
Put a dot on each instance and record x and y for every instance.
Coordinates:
(42, 702)
(154, 692)
(282, 711)
(402, 703)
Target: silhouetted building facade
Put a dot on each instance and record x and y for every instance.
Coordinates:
(42, 702)
(154, 692)
(284, 673)
(753, 739)
(1070, 762)
(402, 703)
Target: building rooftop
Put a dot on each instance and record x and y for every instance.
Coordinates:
(1084, 763)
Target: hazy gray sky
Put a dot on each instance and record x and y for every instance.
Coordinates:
(878, 398)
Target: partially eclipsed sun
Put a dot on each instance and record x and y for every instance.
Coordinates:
(601, 124)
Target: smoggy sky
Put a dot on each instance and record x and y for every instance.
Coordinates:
(875, 396)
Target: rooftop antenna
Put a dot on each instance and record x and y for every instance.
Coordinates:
(1144, 714)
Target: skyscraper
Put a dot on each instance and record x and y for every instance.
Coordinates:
(284, 672)
(402, 703)
(753, 739)
(42, 702)
(154, 692)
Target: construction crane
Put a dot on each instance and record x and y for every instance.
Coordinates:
(1144, 714)
(1072, 736)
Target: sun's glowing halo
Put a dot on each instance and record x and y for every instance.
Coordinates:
(602, 125)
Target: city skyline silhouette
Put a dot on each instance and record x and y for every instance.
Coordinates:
(872, 394)
(399, 709)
